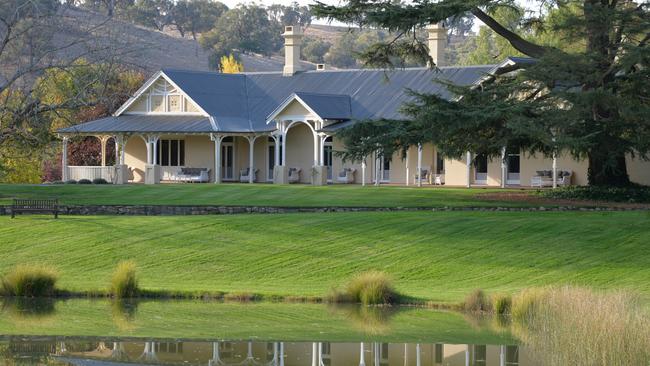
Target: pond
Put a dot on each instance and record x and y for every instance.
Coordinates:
(109, 333)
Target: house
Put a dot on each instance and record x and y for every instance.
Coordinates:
(276, 124)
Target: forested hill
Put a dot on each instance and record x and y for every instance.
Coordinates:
(149, 49)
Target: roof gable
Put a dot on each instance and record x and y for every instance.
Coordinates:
(321, 106)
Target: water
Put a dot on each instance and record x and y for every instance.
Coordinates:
(107, 333)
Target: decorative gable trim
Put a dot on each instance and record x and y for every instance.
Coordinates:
(277, 111)
(147, 85)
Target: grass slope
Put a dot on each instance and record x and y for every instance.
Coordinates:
(436, 256)
(252, 195)
(258, 321)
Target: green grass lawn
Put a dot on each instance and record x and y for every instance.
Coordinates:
(435, 256)
(254, 195)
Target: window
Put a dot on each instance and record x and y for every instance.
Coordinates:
(157, 104)
(174, 103)
(171, 152)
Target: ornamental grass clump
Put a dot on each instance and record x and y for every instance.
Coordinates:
(124, 283)
(371, 288)
(502, 304)
(527, 303)
(477, 302)
(30, 281)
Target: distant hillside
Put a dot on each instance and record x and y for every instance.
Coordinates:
(149, 49)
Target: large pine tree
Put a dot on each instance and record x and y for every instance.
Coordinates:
(591, 99)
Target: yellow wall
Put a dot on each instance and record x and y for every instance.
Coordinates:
(531, 164)
(135, 156)
(638, 169)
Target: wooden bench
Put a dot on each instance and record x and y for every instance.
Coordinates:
(35, 206)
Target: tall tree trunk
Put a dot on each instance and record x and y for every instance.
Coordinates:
(602, 173)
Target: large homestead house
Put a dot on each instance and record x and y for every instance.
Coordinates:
(281, 127)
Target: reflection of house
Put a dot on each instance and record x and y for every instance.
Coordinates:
(303, 354)
(268, 123)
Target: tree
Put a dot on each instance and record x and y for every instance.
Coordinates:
(314, 49)
(151, 13)
(246, 28)
(196, 16)
(591, 102)
(230, 65)
(293, 14)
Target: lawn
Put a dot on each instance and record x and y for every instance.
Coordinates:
(255, 195)
(434, 256)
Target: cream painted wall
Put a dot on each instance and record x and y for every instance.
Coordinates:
(199, 153)
(338, 164)
(455, 172)
(300, 150)
(135, 157)
(638, 169)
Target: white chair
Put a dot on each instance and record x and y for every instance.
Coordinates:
(439, 179)
(245, 177)
(294, 175)
(425, 173)
(194, 175)
(544, 178)
(346, 176)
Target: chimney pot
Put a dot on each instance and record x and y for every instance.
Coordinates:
(292, 40)
(437, 40)
(320, 67)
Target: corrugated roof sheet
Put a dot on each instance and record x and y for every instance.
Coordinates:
(242, 102)
(144, 123)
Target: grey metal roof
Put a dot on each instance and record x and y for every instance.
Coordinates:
(242, 102)
(144, 123)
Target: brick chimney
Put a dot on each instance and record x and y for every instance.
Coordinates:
(292, 40)
(437, 40)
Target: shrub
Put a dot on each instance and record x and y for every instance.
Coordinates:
(477, 301)
(371, 288)
(502, 304)
(527, 303)
(30, 281)
(628, 194)
(124, 283)
(70, 181)
(58, 182)
(84, 181)
(99, 181)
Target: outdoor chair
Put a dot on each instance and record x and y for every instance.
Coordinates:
(346, 176)
(194, 175)
(426, 175)
(244, 175)
(294, 175)
(544, 178)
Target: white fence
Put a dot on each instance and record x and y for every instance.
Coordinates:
(91, 172)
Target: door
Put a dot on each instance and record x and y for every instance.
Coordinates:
(480, 169)
(270, 151)
(327, 157)
(227, 166)
(513, 162)
(385, 169)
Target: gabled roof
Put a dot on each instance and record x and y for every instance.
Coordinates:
(243, 102)
(323, 106)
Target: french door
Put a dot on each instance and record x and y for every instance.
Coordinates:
(514, 166)
(385, 169)
(327, 157)
(480, 169)
(227, 162)
(270, 151)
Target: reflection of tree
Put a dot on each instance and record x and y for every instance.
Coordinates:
(374, 320)
(149, 352)
(277, 358)
(118, 352)
(124, 312)
(25, 310)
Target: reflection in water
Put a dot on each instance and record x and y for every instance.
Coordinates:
(123, 312)
(371, 320)
(248, 353)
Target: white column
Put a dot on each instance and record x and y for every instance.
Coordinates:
(64, 159)
(122, 149)
(281, 353)
(467, 355)
(407, 166)
(102, 141)
(314, 350)
(419, 165)
(468, 160)
(504, 167)
(117, 150)
(502, 356)
(148, 144)
(217, 156)
(315, 149)
(321, 160)
(284, 148)
(554, 169)
(363, 173)
(362, 356)
(251, 152)
(377, 169)
(418, 360)
(276, 140)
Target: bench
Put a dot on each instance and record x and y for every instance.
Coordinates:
(35, 206)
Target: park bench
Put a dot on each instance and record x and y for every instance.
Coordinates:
(35, 206)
